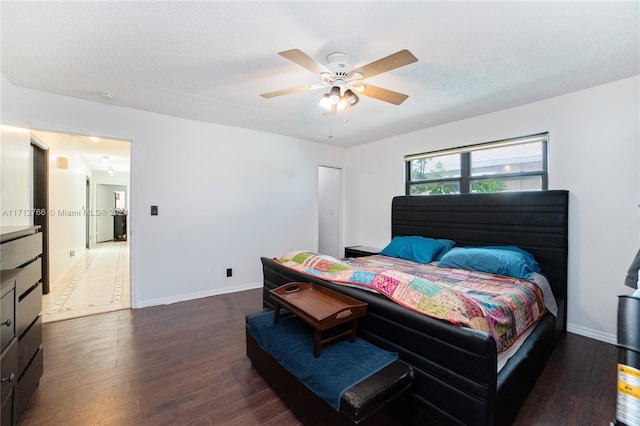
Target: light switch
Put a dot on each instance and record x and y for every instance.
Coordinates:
(154, 210)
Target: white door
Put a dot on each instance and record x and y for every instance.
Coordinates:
(329, 213)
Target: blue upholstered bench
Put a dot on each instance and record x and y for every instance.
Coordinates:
(282, 352)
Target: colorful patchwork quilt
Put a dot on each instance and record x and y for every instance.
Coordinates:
(504, 307)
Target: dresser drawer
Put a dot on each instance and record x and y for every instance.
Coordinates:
(30, 275)
(9, 367)
(28, 309)
(29, 344)
(6, 411)
(20, 251)
(29, 382)
(7, 318)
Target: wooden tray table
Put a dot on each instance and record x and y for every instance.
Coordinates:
(321, 308)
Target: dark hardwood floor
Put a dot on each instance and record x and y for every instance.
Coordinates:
(185, 364)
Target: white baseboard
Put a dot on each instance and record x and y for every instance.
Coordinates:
(593, 334)
(198, 295)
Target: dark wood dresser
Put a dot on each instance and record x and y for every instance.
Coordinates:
(21, 362)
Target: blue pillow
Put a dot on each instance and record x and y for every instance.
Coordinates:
(417, 249)
(448, 245)
(526, 256)
(507, 261)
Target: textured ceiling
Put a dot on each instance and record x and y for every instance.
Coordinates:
(210, 61)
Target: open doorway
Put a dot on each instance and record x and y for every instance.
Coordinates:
(329, 211)
(87, 275)
(112, 199)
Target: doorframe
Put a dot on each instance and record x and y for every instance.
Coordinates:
(87, 215)
(40, 200)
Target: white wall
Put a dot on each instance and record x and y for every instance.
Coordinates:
(593, 153)
(15, 160)
(67, 207)
(105, 203)
(226, 195)
(15, 176)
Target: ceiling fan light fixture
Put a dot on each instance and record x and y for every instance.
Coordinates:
(331, 110)
(325, 101)
(334, 95)
(348, 100)
(351, 98)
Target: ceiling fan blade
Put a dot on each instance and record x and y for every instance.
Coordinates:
(383, 94)
(391, 62)
(292, 90)
(299, 57)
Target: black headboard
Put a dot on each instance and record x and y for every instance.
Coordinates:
(536, 221)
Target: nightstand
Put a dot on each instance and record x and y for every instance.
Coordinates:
(360, 251)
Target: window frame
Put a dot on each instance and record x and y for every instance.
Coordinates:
(466, 178)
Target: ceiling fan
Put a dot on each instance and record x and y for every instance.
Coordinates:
(344, 79)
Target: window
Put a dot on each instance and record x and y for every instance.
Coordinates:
(518, 164)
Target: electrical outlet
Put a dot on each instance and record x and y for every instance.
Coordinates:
(229, 272)
(72, 253)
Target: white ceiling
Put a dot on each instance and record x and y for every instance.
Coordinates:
(118, 152)
(210, 61)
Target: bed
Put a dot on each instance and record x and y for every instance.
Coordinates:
(457, 381)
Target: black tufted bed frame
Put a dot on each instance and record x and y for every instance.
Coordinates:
(456, 382)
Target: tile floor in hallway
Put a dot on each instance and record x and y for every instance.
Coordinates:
(97, 283)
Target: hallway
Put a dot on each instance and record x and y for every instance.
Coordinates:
(98, 283)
